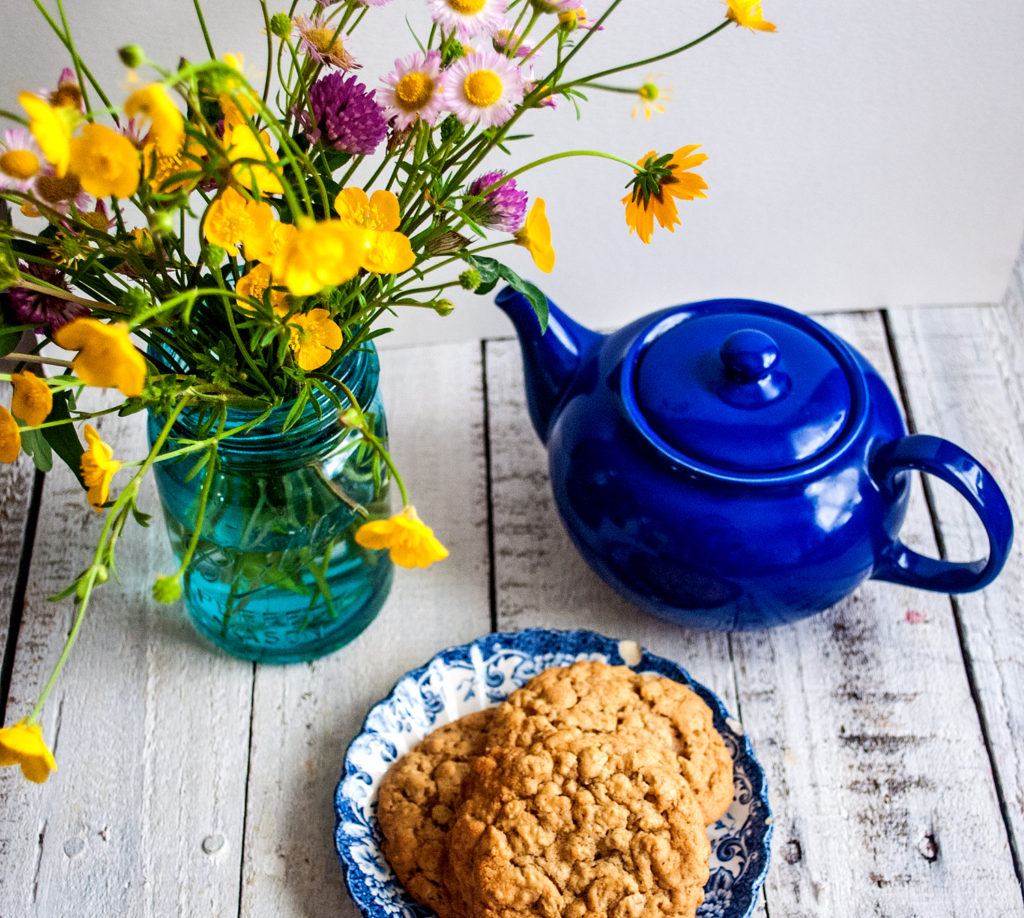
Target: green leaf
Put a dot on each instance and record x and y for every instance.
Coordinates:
(62, 437)
(489, 269)
(9, 338)
(34, 445)
(140, 517)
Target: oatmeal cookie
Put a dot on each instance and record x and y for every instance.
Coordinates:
(597, 697)
(416, 805)
(577, 825)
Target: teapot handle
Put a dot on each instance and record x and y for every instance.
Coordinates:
(953, 465)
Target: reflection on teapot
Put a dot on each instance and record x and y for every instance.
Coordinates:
(732, 464)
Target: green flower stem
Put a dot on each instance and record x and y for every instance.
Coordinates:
(78, 417)
(173, 302)
(539, 44)
(246, 356)
(555, 156)
(604, 87)
(270, 50)
(208, 442)
(202, 25)
(522, 13)
(69, 43)
(104, 549)
(650, 60)
(35, 358)
(354, 164)
(377, 445)
(204, 498)
(589, 33)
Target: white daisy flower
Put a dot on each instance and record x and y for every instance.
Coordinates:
(482, 88)
(412, 91)
(20, 159)
(469, 17)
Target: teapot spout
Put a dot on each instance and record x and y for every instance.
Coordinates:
(551, 356)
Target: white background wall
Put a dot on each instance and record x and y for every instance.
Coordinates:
(870, 153)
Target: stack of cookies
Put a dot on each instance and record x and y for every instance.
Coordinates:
(585, 794)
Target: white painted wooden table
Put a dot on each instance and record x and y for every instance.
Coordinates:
(891, 727)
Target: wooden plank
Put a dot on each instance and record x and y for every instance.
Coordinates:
(540, 579)
(883, 797)
(305, 715)
(150, 731)
(15, 497)
(964, 371)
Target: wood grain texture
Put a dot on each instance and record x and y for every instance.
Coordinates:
(879, 779)
(149, 729)
(964, 372)
(305, 715)
(15, 496)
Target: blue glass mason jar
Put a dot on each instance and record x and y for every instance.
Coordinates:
(277, 576)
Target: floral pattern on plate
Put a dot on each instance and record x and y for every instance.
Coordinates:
(477, 675)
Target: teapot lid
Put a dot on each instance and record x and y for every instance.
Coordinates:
(742, 386)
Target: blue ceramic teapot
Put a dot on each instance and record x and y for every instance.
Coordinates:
(732, 464)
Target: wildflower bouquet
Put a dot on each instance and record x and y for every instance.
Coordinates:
(208, 242)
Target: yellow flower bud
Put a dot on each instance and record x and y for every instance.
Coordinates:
(32, 400)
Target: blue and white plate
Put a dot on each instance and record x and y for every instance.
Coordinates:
(477, 675)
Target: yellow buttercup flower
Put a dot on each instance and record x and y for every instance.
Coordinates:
(254, 284)
(52, 127)
(167, 126)
(384, 251)
(98, 468)
(263, 240)
(237, 110)
(379, 212)
(748, 13)
(251, 157)
(535, 236)
(659, 181)
(314, 338)
(411, 541)
(318, 255)
(106, 356)
(165, 172)
(105, 162)
(387, 253)
(32, 400)
(233, 218)
(23, 745)
(10, 437)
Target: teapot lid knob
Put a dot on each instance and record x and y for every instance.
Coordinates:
(742, 386)
(749, 354)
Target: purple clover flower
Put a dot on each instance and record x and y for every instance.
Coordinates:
(504, 207)
(345, 115)
(40, 309)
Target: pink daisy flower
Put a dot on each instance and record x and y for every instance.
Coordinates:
(412, 90)
(505, 38)
(469, 17)
(323, 43)
(482, 88)
(575, 17)
(20, 159)
(60, 194)
(555, 6)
